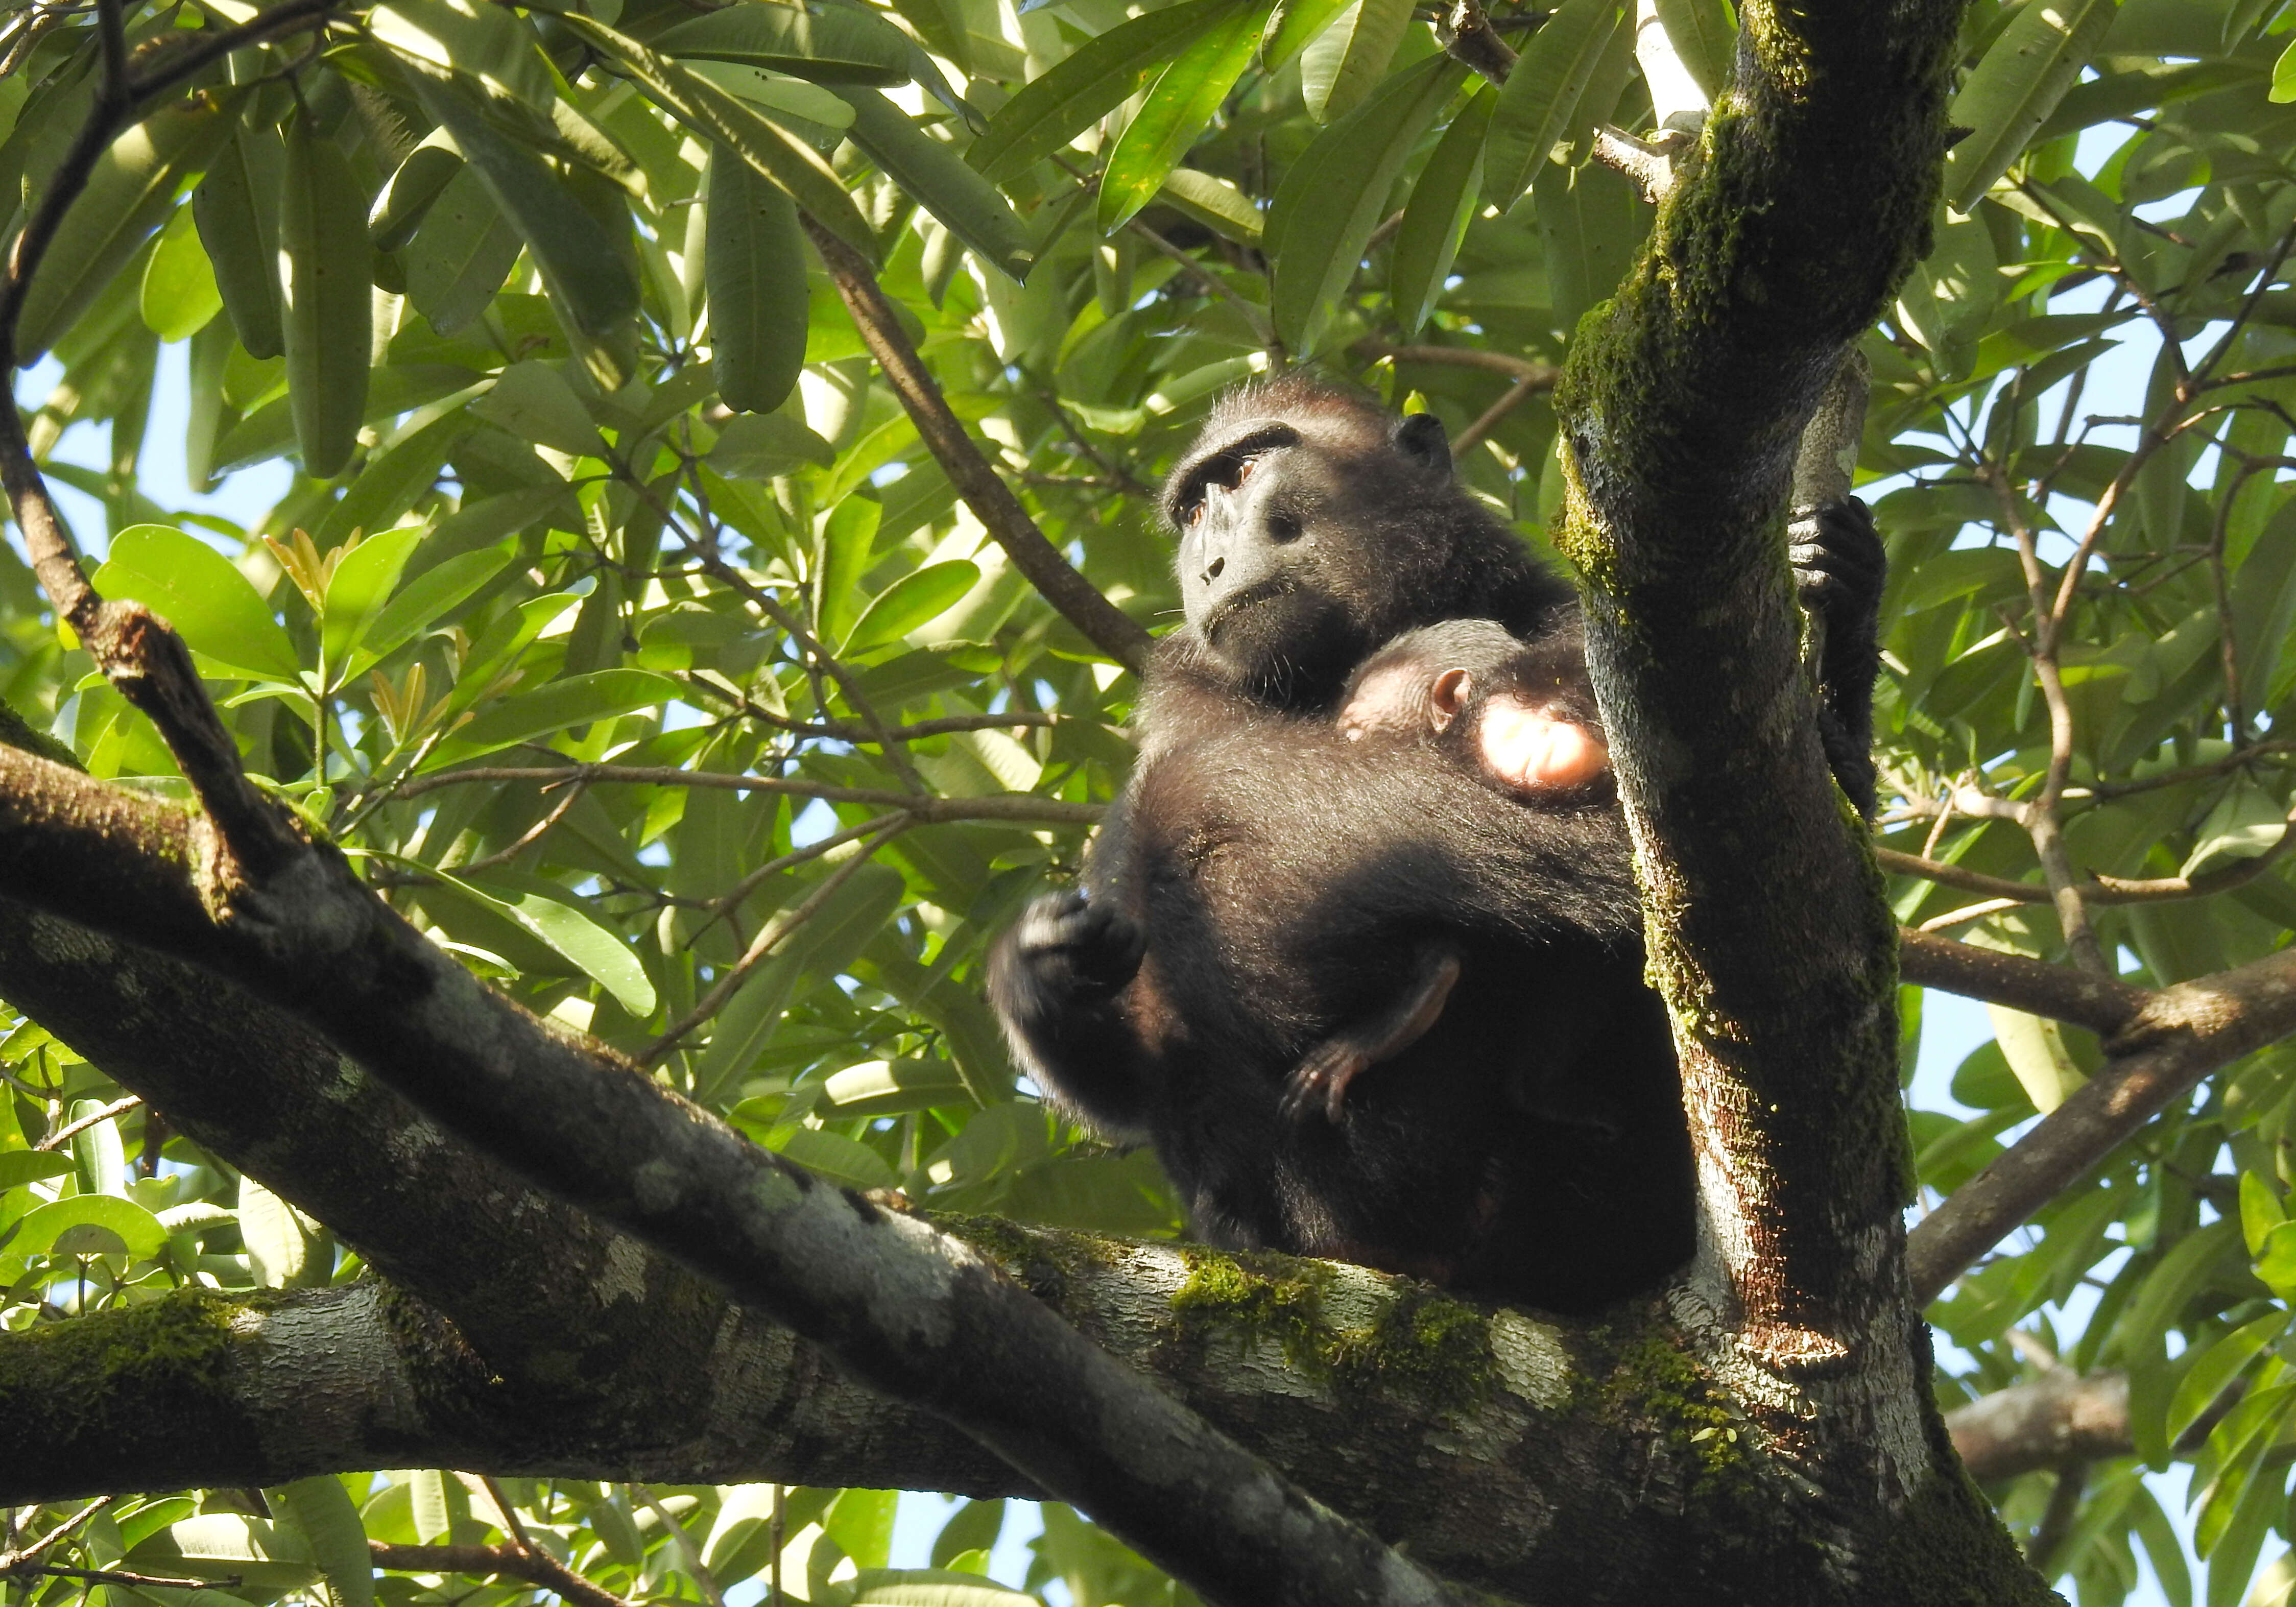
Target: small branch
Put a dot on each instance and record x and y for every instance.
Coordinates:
(768, 939)
(1467, 35)
(811, 851)
(701, 1576)
(63, 1136)
(537, 1568)
(2094, 889)
(990, 499)
(2057, 1520)
(1649, 163)
(2105, 1006)
(2180, 1035)
(1509, 400)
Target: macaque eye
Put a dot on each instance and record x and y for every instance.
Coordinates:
(1244, 466)
(1194, 516)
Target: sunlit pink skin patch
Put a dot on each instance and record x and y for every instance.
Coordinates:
(1526, 748)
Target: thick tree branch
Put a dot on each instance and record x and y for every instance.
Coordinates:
(910, 1311)
(1682, 414)
(2181, 1035)
(990, 499)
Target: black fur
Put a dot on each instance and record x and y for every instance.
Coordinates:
(1264, 884)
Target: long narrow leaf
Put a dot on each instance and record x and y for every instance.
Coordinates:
(1336, 193)
(1536, 106)
(329, 304)
(730, 121)
(941, 181)
(1345, 61)
(580, 265)
(236, 210)
(1052, 109)
(828, 47)
(1435, 220)
(1176, 111)
(126, 197)
(753, 263)
(2015, 87)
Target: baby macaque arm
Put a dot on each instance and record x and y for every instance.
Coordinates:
(1323, 1075)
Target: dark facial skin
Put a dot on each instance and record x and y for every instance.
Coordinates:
(1377, 999)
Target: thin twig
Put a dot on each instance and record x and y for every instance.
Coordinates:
(63, 1135)
(768, 939)
(533, 1566)
(991, 500)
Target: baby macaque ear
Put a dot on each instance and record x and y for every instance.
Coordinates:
(1448, 696)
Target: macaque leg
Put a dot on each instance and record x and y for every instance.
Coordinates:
(1339, 1060)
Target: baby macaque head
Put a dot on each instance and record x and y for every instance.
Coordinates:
(1522, 713)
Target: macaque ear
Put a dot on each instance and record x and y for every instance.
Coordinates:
(1448, 696)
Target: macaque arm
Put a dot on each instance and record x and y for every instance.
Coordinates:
(1323, 1075)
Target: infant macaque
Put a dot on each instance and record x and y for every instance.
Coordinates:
(1522, 713)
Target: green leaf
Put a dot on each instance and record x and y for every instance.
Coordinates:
(729, 121)
(460, 255)
(236, 210)
(407, 195)
(829, 47)
(1054, 109)
(203, 595)
(941, 181)
(2011, 92)
(487, 42)
(2283, 76)
(880, 1087)
(285, 1250)
(765, 445)
(2260, 1211)
(89, 1225)
(861, 1523)
(1182, 102)
(393, 479)
(20, 1167)
(1337, 192)
(919, 1587)
(1435, 220)
(1541, 96)
(432, 595)
(580, 264)
(1213, 202)
(533, 401)
(754, 264)
(2216, 1366)
(126, 197)
(1293, 25)
(1705, 40)
(833, 1155)
(328, 304)
(364, 576)
(223, 1545)
(179, 294)
(323, 1510)
(911, 601)
(1345, 61)
(594, 950)
(561, 705)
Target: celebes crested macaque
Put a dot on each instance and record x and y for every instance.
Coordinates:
(1382, 999)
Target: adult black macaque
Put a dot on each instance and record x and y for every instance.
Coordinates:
(1273, 910)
